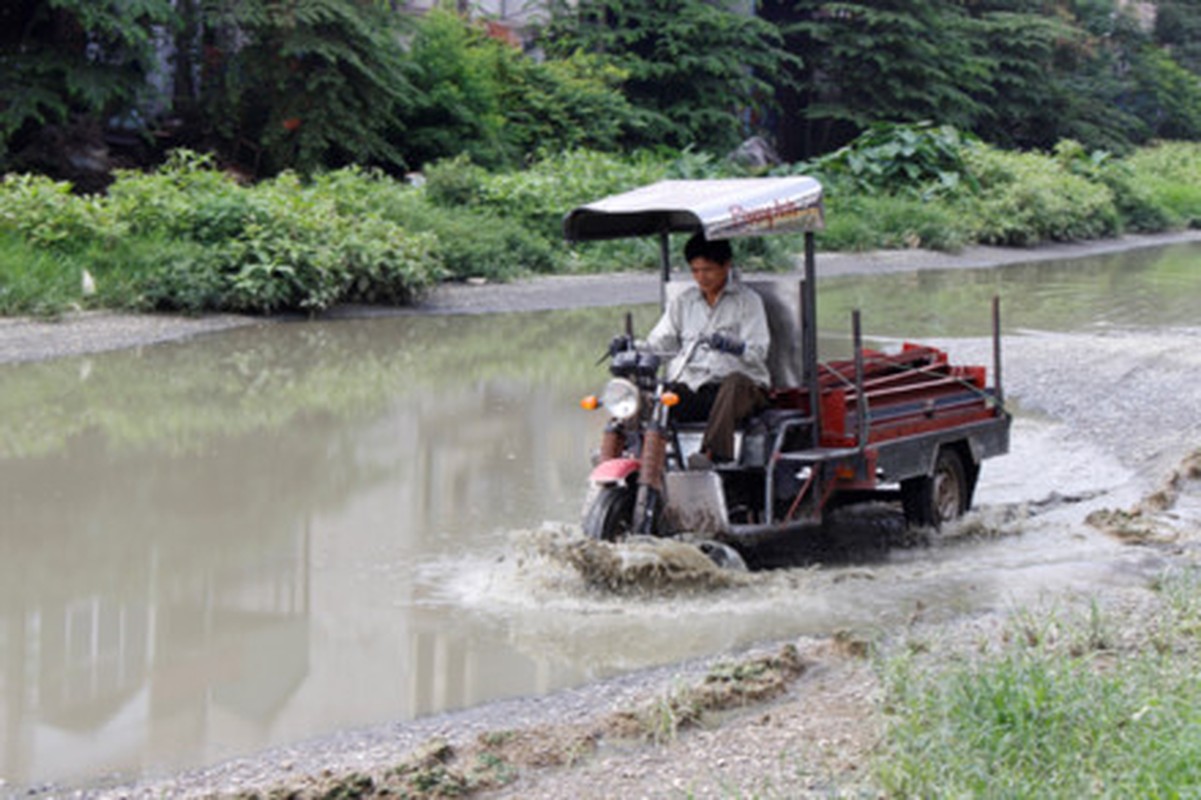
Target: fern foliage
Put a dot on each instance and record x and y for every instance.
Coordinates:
(701, 74)
(68, 57)
(299, 83)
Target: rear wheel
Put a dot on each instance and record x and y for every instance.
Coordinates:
(608, 518)
(931, 500)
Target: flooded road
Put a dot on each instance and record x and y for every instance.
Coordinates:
(269, 534)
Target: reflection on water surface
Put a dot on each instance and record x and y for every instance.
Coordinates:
(210, 547)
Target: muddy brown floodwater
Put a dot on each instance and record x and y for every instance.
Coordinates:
(283, 554)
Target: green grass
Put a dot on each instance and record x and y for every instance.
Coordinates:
(1062, 711)
(873, 222)
(1171, 174)
(34, 281)
(1182, 200)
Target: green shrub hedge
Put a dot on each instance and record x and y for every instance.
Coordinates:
(187, 236)
(1027, 198)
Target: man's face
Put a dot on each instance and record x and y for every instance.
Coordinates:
(710, 276)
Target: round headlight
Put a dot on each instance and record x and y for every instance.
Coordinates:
(621, 398)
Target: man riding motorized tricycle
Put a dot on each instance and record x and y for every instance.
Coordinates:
(717, 335)
(743, 434)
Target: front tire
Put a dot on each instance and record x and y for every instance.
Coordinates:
(932, 500)
(722, 555)
(609, 517)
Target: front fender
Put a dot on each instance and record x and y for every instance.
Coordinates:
(615, 470)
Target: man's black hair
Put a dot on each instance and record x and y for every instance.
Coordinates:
(718, 250)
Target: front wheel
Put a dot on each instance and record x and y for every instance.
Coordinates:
(722, 555)
(610, 515)
(932, 500)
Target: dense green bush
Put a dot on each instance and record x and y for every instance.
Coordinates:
(1171, 173)
(533, 201)
(178, 274)
(455, 181)
(537, 199)
(296, 251)
(189, 236)
(187, 196)
(470, 241)
(870, 222)
(47, 215)
(918, 160)
(1138, 209)
(1026, 198)
(539, 196)
(481, 244)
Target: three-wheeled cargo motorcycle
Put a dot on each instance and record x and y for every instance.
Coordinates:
(905, 426)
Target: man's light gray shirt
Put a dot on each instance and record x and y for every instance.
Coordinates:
(689, 321)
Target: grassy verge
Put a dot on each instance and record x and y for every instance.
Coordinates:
(1104, 705)
(33, 281)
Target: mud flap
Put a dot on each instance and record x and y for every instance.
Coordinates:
(695, 504)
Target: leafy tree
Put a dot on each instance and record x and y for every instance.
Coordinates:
(562, 104)
(485, 98)
(456, 106)
(64, 60)
(1178, 28)
(1168, 96)
(294, 83)
(1024, 105)
(1020, 73)
(873, 60)
(1126, 89)
(698, 72)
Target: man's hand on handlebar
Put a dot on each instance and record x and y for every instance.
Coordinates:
(727, 344)
(620, 344)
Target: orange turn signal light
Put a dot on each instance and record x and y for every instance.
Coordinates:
(590, 403)
(669, 399)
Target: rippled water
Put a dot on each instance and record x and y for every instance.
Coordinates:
(255, 537)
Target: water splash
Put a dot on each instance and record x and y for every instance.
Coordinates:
(641, 565)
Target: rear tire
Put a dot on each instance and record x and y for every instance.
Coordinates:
(932, 500)
(610, 515)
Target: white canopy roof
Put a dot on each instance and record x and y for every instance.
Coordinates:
(723, 209)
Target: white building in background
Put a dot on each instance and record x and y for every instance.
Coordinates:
(513, 11)
(1144, 12)
(506, 19)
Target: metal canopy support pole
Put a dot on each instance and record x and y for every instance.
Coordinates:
(809, 334)
(996, 350)
(860, 397)
(665, 266)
